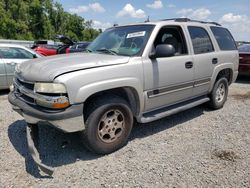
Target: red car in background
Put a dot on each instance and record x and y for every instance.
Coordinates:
(45, 49)
(244, 63)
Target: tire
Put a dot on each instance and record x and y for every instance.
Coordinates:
(108, 125)
(219, 94)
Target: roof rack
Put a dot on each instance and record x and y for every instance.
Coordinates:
(189, 20)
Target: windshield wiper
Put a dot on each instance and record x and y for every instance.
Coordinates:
(87, 50)
(105, 50)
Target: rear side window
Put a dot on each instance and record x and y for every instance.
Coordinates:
(201, 40)
(224, 38)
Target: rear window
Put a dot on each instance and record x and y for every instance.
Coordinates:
(224, 38)
(200, 40)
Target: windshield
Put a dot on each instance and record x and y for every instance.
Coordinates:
(126, 40)
(244, 48)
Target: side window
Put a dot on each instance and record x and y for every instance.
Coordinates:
(200, 40)
(224, 38)
(172, 35)
(15, 53)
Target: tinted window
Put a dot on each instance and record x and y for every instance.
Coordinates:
(200, 39)
(224, 38)
(15, 53)
(244, 48)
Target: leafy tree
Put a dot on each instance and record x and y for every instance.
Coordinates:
(41, 19)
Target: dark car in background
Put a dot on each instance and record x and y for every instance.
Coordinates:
(78, 47)
(244, 63)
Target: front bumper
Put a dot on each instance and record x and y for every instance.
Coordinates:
(68, 120)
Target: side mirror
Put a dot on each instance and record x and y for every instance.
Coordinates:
(34, 56)
(162, 50)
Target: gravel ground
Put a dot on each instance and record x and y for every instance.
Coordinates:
(195, 148)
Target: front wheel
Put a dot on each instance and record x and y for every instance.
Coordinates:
(108, 125)
(219, 94)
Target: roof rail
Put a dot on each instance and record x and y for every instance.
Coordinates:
(189, 20)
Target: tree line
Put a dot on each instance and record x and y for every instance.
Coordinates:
(41, 19)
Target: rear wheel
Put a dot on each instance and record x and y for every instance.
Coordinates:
(108, 125)
(219, 94)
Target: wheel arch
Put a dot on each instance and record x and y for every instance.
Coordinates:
(224, 70)
(129, 94)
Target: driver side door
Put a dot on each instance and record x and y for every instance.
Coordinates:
(168, 80)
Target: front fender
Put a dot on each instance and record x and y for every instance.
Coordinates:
(87, 90)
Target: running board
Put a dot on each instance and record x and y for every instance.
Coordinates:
(173, 109)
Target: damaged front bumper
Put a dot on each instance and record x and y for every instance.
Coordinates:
(32, 132)
(67, 120)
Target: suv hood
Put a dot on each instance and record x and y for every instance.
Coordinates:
(45, 69)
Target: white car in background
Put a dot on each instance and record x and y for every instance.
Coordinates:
(10, 56)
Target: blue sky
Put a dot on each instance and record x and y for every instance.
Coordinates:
(233, 14)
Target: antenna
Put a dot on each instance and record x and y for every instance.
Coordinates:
(147, 20)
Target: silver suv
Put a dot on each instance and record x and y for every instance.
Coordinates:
(139, 72)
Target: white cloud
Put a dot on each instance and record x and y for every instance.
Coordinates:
(79, 9)
(100, 25)
(231, 18)
(184, 11)
(198, 14)
(129, 10)
(238, 24)
(155, 5)
(95, 7)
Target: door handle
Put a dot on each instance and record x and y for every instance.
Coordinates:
(215, 60)
(11, 63)
(189, 65)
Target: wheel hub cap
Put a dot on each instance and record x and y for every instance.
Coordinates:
(220, 93)
(111, 126)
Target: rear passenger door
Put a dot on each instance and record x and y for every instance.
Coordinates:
(204, 58)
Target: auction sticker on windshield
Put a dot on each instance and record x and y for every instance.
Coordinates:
(136, 34)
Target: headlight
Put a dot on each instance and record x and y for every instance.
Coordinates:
(50, 88)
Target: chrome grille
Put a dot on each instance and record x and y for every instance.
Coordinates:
(22, 88)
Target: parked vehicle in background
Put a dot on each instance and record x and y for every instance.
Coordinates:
(239, 43)
(141, 72)
(78, 47)
(66, 46)
(46, 49)
(10, 56)
(244, 64)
